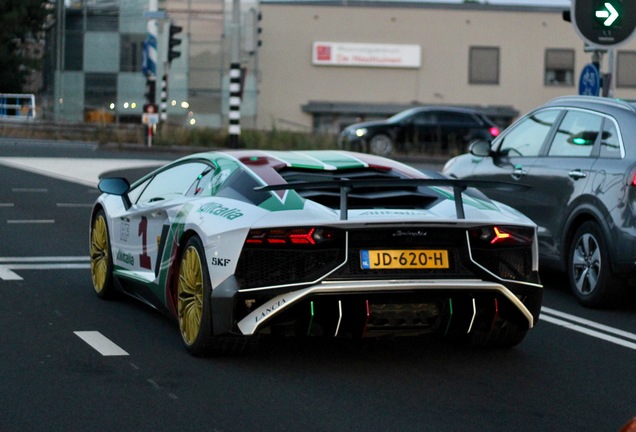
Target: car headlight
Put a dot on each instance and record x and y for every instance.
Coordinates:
(360, 132)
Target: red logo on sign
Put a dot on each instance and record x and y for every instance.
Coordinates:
(323, 52)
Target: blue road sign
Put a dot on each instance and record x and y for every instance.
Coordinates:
(590, 80)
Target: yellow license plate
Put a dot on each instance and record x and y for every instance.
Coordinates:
(404, 259)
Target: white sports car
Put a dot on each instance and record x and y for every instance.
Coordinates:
(241, 244)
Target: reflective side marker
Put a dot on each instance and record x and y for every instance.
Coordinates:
(472, 320)
(311, 317)
(339, 317)
(496, 315)
(450, 316)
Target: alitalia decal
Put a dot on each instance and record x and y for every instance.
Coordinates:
(125, 258)
(220, 210)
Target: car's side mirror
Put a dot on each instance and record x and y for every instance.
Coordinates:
(116, 186)
(480, 148)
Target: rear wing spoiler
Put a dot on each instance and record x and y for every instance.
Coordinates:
(347, 185)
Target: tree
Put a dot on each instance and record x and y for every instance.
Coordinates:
(21, 27)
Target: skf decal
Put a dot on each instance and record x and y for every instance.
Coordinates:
(221, 262)
(270, 309)
(219, 210)
(125, 258)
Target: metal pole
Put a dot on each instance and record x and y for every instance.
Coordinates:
(151, 73)
(611, 73)
(234, 127)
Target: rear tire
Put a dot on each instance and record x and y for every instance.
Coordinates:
(589, 272)
(194, 309)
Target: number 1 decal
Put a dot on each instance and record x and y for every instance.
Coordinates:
(144, 258)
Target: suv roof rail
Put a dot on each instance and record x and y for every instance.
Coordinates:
(618, 103)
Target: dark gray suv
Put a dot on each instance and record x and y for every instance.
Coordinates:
(578, 154)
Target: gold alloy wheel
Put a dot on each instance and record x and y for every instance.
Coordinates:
(190, 295)
(99, 253)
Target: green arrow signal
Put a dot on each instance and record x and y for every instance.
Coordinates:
(608, 13)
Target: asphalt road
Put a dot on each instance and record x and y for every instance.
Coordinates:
(70, 361)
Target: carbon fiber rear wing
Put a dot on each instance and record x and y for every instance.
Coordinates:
(347, 185)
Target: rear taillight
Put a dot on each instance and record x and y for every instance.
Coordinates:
(494, 131)
(502, 236)
(290, 236)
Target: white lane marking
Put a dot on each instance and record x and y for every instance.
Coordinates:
(101, 343)
(29, 190)
(8, 264)
(6, 205)
(30, 221)
(589, 323)
(590, 328)
(48, 266)
(73, 205)
(44, 258)
(7, 274)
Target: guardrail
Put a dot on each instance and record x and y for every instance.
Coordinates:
(17, 107)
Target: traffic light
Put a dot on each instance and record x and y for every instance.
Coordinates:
(604, 23)
(173, 42)
(252, 35)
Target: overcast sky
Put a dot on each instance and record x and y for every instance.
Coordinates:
(517, 2)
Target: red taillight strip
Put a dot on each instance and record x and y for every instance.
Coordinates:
(280, 236)
(306, 238)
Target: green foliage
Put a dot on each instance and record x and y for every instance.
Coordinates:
(19, 21)
(252, 139)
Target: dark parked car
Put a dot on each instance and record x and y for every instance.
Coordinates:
(578, 154)
(434, 129)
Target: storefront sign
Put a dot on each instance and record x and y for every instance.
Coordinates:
(366, 55)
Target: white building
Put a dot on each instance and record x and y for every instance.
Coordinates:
(323, 64)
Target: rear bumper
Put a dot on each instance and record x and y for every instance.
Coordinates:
(357, 306)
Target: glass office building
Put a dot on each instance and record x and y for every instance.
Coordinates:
(96, 47)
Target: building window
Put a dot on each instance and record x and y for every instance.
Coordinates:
(100, 90)
(559, 67)
(102, 17)
(74, 42)
(483, 65)
(130, 52)
(626, 69)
